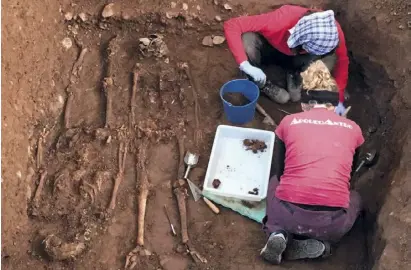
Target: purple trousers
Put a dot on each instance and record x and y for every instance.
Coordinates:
(326, 225)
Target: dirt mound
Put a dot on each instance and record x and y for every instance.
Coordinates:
(254, 145)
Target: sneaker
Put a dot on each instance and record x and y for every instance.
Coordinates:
(293, 87)
(275, 93)
(306, 249)
(273, 250)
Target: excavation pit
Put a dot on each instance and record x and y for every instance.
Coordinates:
(162, 49)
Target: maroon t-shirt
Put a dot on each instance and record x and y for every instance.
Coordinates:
(320, 146)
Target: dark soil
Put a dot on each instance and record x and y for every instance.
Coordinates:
(254, 191)
(254, 145)
(236, 99)
(216, 183)
(249, 204)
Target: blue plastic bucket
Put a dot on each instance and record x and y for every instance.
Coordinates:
(240, 114)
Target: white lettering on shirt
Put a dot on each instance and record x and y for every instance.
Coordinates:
(297, 121)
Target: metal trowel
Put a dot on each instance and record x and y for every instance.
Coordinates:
(197, 194)
(191, 160)
(194, 190)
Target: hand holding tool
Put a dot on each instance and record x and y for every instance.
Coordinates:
(340, 109)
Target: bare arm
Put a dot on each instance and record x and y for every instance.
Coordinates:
(278, 158)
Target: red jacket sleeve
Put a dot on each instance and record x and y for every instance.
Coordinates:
(341, 66)
(234, 28)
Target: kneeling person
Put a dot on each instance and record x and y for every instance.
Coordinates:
(309, 202)
(291, 37)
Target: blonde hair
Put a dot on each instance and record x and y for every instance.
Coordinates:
(318, 77)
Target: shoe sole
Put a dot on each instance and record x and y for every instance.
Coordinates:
(304, 249)
(274, 249)
(294, 88)
(275, 97)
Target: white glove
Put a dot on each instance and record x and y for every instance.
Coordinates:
(256, 73)
(340, 109)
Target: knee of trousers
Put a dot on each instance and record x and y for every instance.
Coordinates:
(252, 45)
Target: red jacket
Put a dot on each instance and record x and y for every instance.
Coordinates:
(274, 27)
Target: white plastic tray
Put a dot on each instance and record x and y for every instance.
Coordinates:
(239, 171)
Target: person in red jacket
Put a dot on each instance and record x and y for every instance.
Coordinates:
(293, 37)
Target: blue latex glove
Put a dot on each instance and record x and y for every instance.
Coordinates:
(340, 109)
(256, 73)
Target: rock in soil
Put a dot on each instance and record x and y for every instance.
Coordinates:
(108, 11)
(207, 41)
(227, 7)
(254, 145)
(236, 99)
(125, 15)
(218, 18)
(68, 16)
(217, 40)
(171, 14)
(83, 16)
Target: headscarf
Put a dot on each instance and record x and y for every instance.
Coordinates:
(317, 33)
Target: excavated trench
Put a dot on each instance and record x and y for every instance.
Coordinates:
(379, 96)
(380, 105)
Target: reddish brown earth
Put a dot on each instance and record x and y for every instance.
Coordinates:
(237, 99)
(254, 145)
(81, 165)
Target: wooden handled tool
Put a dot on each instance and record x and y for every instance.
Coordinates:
(211, 205)
(197, 194)
(268, 119)
(191, 160)
(346, 111)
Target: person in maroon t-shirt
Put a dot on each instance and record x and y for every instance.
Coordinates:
(292, 37)
(309, 202)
